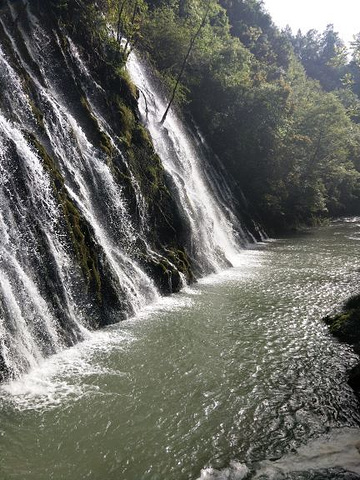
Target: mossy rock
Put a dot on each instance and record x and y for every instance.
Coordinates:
(353, 303)
(354, 378)
(77, 227)
(98, 136)
(126, 121)
(119, 108)
(39, 116)
(167, 277)
(346, 324)
(346, 327)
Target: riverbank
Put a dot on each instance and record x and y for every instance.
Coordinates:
(237, 368)
(346, 327)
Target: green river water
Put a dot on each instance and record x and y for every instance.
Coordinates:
(225, 380)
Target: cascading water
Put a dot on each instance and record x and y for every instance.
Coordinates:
(43, 307)
(71, 231)
(214, 239)
(229, 373)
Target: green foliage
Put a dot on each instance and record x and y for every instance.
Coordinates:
(314, 156)
(292, 148)
(255, 29)
(324, 56)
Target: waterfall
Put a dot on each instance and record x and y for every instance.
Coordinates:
(43, 301)
(215, 234)
(81, 245)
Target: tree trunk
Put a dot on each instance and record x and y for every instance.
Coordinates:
(118, 33)
(183, 65)
(132, 21)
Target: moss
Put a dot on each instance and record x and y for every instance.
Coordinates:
(142, 138)
(337, 322)
(182, 262)
(55, 175)
(77, 228)
(100, 138)
(80, 237)
(127, 83)
(167, 277)
(105, 144)
(346, 324)
(146, 166)
(126, 120)
(39, 116)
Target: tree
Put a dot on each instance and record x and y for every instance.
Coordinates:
(183, 65)
(324, 56)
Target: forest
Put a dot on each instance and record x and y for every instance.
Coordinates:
(281, 110)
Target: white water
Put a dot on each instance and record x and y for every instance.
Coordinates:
(237, 368)
(40, 316)
(28, 327)
(214, 242)
(234, 378)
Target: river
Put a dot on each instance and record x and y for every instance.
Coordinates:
(214, 382)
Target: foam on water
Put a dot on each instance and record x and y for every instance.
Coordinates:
(339, 449)
(62, 378)
(236, 471)
(245, 267)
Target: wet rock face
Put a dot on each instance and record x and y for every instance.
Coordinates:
(346, 327)
(90, 229)
(96, 223)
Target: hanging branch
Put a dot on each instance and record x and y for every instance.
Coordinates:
(191, 45)
(118, 33)
(146, 103)
(132, 22)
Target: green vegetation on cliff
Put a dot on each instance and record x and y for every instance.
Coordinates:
(89, 27)
(291, 145)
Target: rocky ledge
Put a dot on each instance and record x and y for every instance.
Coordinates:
(346, 327)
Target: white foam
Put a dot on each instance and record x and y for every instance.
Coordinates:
(62, 377)
(245, 266)
(236, 471)
(338, 449)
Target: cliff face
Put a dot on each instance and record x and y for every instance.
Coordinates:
(90, 229)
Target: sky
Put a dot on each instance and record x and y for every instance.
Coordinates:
(308, 14)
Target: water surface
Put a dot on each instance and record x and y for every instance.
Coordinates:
(228, 375)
